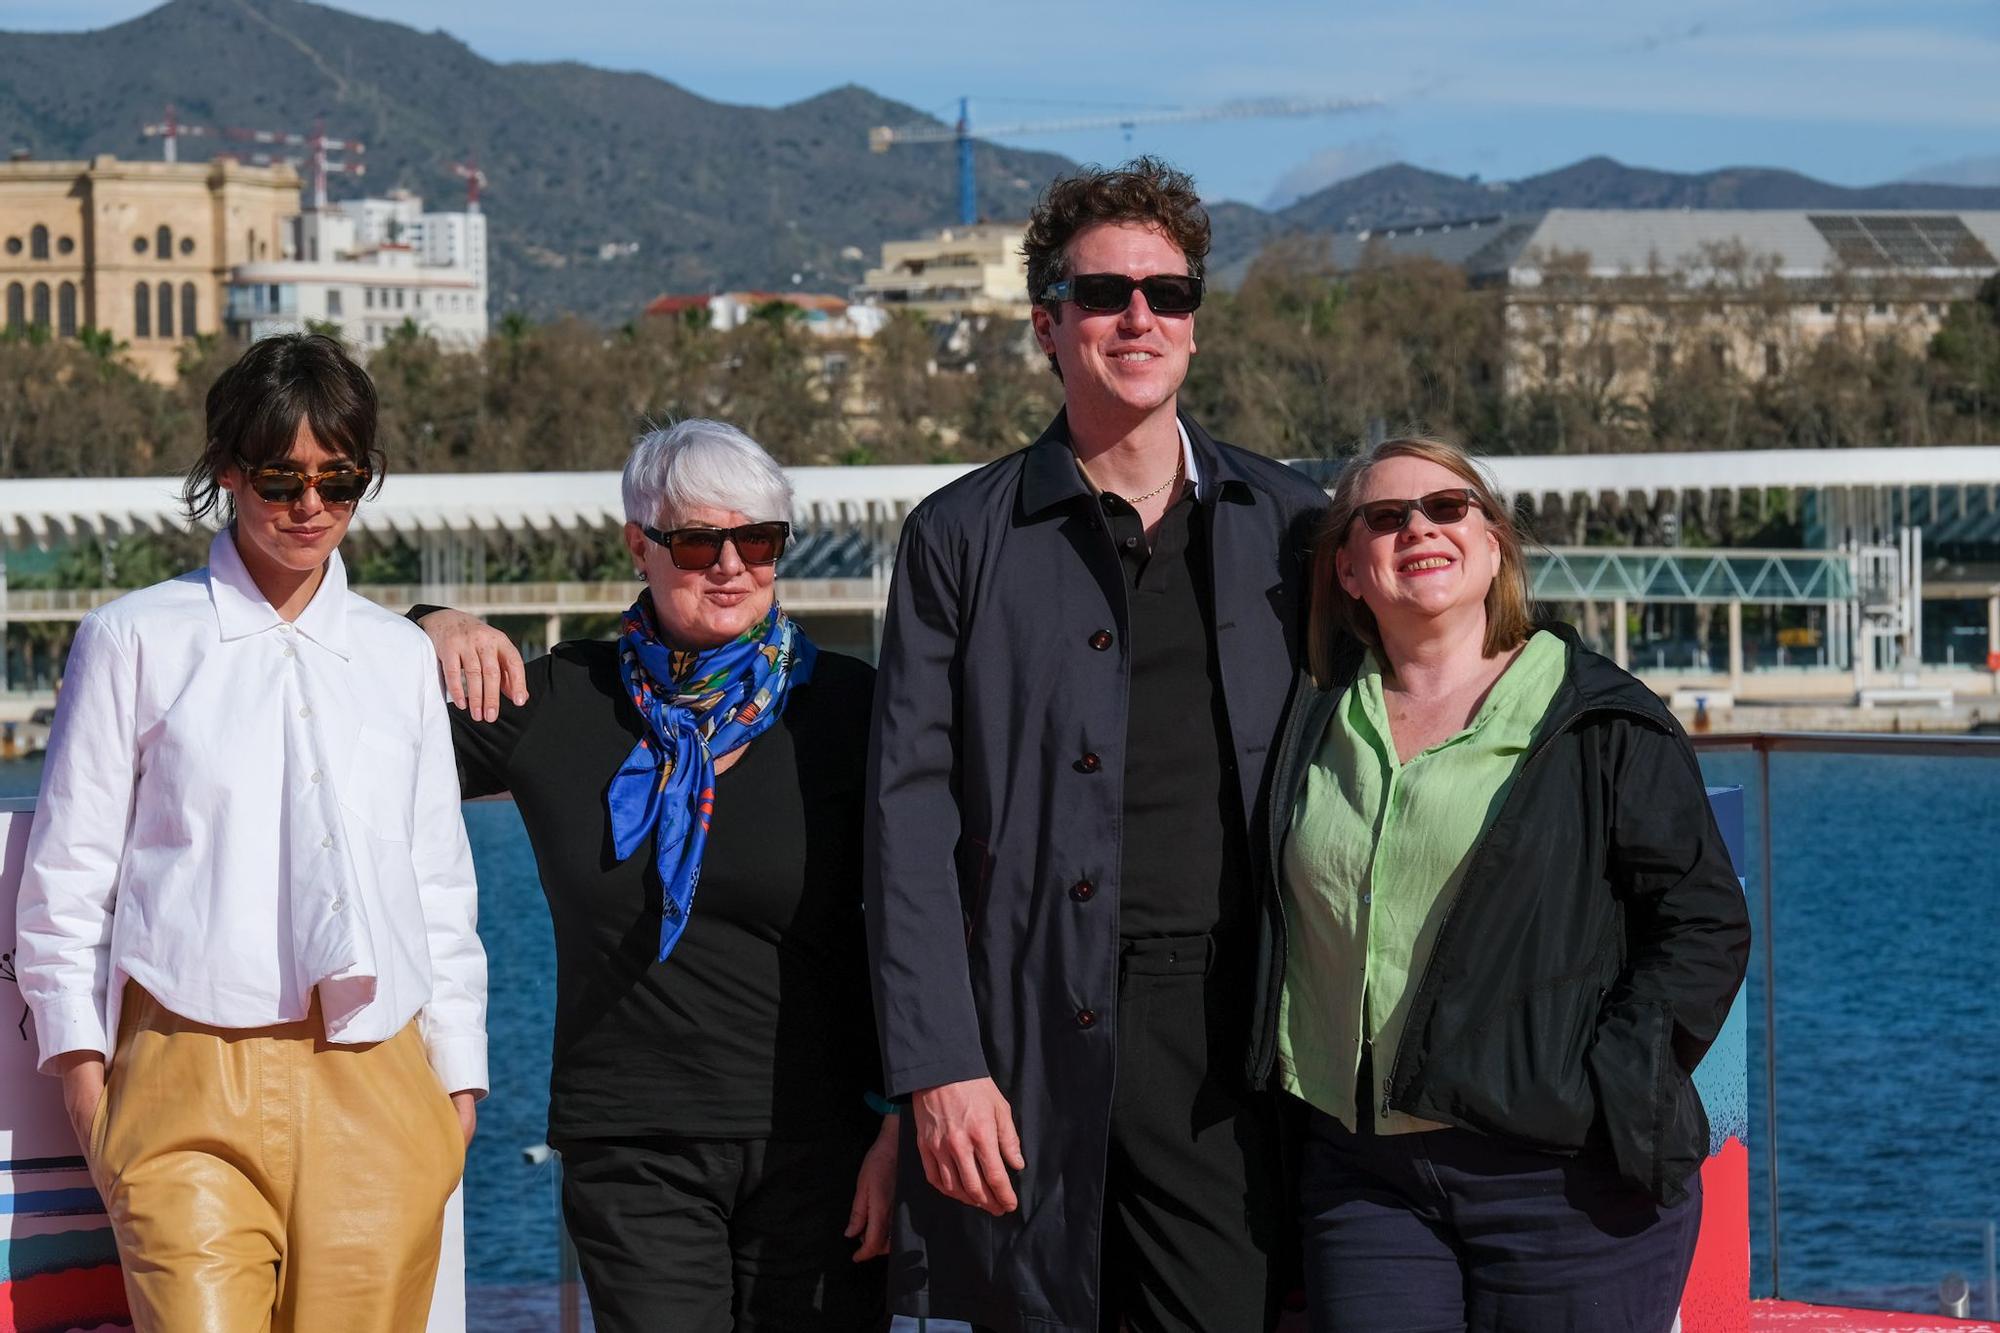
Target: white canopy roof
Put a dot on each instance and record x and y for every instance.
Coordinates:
(49, 511)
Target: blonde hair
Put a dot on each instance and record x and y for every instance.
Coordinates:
(1334, 613)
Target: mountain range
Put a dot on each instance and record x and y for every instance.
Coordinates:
(608, 188)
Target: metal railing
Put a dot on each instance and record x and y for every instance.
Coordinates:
(1763, 745)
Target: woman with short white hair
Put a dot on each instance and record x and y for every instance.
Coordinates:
(692, 791)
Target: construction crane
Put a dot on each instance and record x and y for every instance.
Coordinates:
(884, 137)
(173, 131)
(314, 159)
(475, 181)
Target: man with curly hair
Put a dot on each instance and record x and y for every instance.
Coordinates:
(1087, 649)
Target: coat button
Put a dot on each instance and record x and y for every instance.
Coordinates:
(1101, 640)
(1083, 890)
(1090, 763)
(1086, 1018)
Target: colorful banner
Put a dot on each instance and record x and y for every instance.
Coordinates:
(58, 1265)
(1717, 1298)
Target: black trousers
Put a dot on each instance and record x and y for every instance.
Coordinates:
(1449, 1231)
(1194, 1208)
(720, 1235)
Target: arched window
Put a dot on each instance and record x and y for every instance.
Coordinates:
(166, 319)
(142, 311)
(17, 306)
(66, 310)
(163, 242)
(189, 326)
(38, 242)
(42, 304)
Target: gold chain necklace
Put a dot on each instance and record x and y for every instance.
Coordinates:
(1136, 500)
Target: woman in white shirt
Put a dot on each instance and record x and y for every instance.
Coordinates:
(247, 918)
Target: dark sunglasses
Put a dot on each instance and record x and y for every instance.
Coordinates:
(287, 485)
(700, 548)
(1441, 507)
(1110, 293)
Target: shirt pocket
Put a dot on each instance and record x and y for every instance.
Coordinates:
(380, 786)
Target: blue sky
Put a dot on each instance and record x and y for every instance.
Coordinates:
(1853, 91)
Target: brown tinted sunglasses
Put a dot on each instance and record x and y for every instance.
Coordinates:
(699, 548)
(1441, 507)
(281, 485)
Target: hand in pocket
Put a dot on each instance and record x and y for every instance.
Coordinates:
(83, 1088)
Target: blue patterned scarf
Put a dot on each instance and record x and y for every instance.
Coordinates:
(698, 706)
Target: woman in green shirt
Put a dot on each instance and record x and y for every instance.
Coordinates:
(1513, 931)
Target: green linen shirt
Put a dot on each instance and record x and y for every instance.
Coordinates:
(1375, 855)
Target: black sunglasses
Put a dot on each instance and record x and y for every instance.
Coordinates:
(1442, 507)
(280, 485)
(1110, 293)
(700, 548)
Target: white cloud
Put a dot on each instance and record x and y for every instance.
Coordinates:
(1959, 171)
(1329, 166)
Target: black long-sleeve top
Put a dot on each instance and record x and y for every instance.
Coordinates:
(759, 1023)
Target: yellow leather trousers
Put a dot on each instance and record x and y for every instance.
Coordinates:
(266, 1179)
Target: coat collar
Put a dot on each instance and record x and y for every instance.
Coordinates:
(1050, 476)
(1591, 680)
(241, 609)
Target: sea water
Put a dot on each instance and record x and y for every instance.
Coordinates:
(1887, 891)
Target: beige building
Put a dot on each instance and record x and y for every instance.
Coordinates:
(952, 274)
(1620, 299)
(139, 250)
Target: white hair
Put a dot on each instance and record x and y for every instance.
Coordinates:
(697, 464)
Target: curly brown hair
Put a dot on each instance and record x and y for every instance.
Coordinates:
(1144, 190)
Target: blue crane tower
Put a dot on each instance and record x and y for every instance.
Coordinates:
(884, 137)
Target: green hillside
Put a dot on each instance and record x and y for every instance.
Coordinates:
(714, 195)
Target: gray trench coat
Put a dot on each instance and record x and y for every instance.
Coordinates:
(996, 785)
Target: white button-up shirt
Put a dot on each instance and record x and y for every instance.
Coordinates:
(235, 811)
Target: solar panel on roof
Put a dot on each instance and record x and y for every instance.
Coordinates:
(1850, 243)
(1932, 240)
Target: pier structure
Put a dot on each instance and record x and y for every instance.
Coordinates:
(1885, 533)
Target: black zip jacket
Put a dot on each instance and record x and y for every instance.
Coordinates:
(1593, 950)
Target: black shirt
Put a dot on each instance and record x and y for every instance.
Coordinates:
(1185, 868)
(759, 1023)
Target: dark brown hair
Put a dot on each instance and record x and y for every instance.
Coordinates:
(1145, 191)
(256, 406)
(1333, 613)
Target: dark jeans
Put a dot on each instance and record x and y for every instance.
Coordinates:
(1193, 1208)
(720, 1235)
(1454, 1232)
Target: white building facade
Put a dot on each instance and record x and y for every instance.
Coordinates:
(371, 267)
